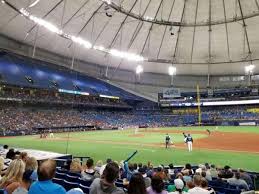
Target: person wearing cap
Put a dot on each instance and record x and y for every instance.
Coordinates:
(179, 187)
(147, 180)
(29, 176)
(172, 188)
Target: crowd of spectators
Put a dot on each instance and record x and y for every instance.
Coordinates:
(20, 174)
(55, 97)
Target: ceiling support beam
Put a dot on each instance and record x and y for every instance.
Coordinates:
(121, 25)
(74, 14)
(226, 27)
(150, 29)
(120, 9)
(49, 12)
(178, 37)
(171, 10)
(194, 28)
(209, 49)
(245, 30)
(257, 4)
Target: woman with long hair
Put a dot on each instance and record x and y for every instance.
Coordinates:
(157, 186)
(13, 177)
(137, 184)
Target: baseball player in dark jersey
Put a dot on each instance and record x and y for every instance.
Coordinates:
(167, 140)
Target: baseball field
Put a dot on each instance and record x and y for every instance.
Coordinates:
(234, 146)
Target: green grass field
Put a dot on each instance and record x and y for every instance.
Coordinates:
(119, 144)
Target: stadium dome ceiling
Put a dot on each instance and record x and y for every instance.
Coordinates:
(196, 36)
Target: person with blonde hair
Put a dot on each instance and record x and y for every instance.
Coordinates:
(31, 164)
(23, 156)
(13, 176)
(75, 166)
(1, 165)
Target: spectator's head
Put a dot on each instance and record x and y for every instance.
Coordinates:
(203, 174)
(90, 163)
(5, 147)
(23, 156)
(135, 166)
(237, 175)
(171, 166)
(111, 172)
(109, 160)
(213, 166)
(226, 167)
(204, 183)
(10, 154)
(131, 167)
(47, 170)
(190, 185)
(140, 165)
(207, 165)
(99, 163)
(75, 166)
(186, 173)
(179, 184)
(179, 175)
(188, 166)
(137, 184)
(197, 180)
(157, 184)
(29, 176)
(31, 164)
(14, 172)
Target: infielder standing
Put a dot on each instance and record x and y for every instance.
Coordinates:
(167, 140)
(189, 142)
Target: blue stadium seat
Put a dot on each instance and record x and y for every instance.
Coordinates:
(86, 189)
(70, 185)
(74, 179)
(58, 181)
(60, 175)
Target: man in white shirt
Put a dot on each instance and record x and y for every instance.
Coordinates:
(197, 189)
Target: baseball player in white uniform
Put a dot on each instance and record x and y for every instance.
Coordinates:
(189, 142)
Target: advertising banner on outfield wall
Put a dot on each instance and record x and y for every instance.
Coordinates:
(171, 92)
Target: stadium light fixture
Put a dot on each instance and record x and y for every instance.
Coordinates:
(249, 69)
(34, 3)
(139, 69)
(172, 70)
(51, 27)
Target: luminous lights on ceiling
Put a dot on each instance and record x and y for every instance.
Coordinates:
(51, 27)
(249, 69)
(172, 70)
(34, 3)
(139, 69)
(2, 1)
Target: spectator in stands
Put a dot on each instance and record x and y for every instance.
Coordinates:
(75, 166)
(103, 166)
(88, 173)
(246, 177)
(160, 172)
(98, 166)
(236, 181)
(2, 166)
(13, 177)
(137, 184)
(213, 171)
(171, 170)
(4, 150)
(140, 165)
(227, 172)
(186, 176)
(197, 189)
(128, 170)
(23, 156)
(10, 154)
(179, 187)
(157, 186)
(31, 164)
(46, 173)
(204, 185)
(29, 176)
(106, 185)
(172, 188)
(188, 167)
(135, 167)
(190, 185)
(147, 180)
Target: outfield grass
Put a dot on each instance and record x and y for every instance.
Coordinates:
(82, 144)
